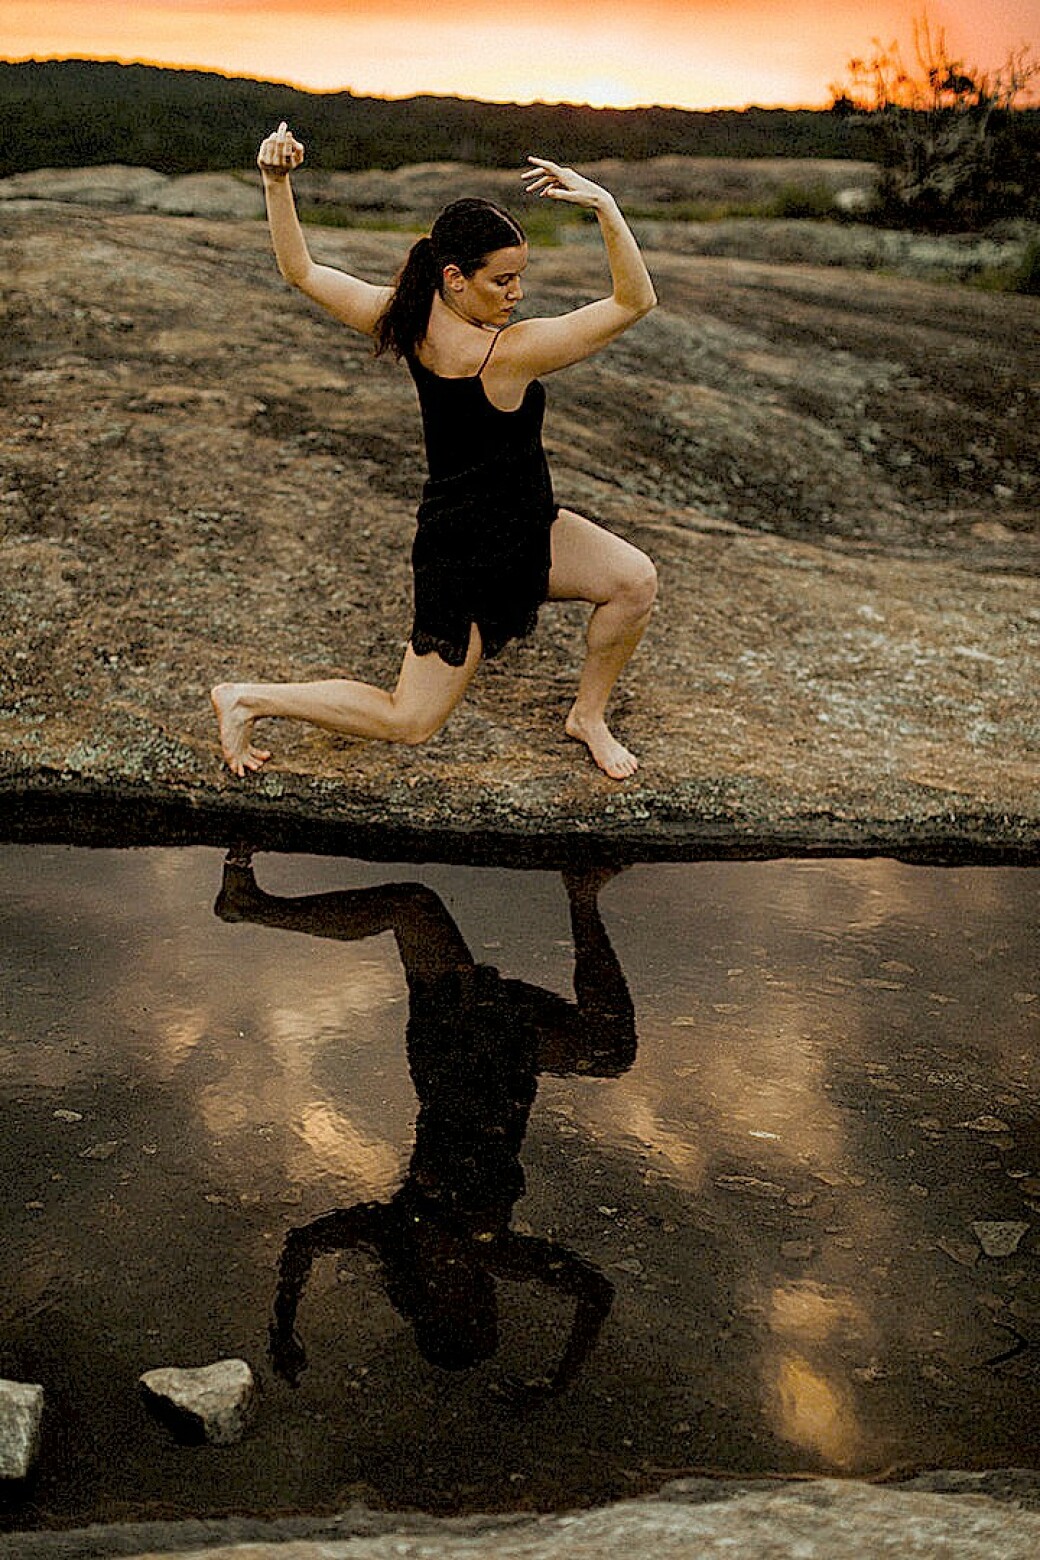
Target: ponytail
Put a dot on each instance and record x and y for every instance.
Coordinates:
(402, 325)
(464, 234)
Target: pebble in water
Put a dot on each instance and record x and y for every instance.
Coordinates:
(209, 1402)
(999, 1238)
(21, 1414)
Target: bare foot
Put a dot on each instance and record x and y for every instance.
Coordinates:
(614, 759)
(238, 891)
(584, 883)
(236, 729)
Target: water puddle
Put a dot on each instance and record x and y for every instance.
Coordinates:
(515, 1189)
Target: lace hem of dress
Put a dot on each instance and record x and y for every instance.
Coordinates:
(494, 638)
(431, 644)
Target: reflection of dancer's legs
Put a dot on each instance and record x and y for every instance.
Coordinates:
(476, 1044)
(595, 1034)
(429, 942)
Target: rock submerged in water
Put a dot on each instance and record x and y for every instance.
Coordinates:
(21, 1414)
(999, 1237)
(204, 1403)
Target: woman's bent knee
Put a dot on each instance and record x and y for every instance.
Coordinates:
(413, 729)
(640, 585)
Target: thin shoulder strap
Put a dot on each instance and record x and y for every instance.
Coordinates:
(487, 357)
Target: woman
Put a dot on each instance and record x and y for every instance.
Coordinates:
(491, 544)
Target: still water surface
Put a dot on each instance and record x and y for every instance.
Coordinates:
(515, 1189)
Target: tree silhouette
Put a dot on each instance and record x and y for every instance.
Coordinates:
(957, 149)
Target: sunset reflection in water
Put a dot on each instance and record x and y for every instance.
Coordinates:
(762, 1218)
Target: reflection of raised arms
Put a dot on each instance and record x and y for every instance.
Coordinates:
(339, 1231)
(358, 304)
(411, 1267)
(527, 1257)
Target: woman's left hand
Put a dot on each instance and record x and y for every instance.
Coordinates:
(548, 178)
(279, 153)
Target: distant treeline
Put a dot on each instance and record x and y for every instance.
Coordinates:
(73, 113)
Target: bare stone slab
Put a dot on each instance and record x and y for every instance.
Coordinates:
(696, 1520)
(210, 479)
(21, 1416)
(109, 185)
(206, 195)
(208, 1402)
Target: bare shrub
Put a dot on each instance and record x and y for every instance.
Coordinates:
(957, 148)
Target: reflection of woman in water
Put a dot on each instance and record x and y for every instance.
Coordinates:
(491, 544)
(476, 1046)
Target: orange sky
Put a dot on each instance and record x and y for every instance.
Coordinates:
(692, 53)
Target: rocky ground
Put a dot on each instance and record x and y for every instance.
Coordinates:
(970, 1516)
(203, 477)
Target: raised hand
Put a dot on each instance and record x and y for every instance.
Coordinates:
(280, 153)
(548, 178)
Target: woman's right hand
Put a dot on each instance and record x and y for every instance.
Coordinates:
(280, 153)
(549, 178)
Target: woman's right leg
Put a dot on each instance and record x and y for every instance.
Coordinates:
(427, 691)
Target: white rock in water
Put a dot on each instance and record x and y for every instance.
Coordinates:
(999, 1237)
(211, 1400)
(21, 1413)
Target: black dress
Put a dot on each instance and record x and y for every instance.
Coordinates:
(481, 552)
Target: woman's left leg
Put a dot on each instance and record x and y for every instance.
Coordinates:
(427, 691)
(591, 564)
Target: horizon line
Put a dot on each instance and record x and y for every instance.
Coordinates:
(404, 97)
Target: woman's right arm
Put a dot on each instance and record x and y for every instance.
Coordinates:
(357, 303)
(543, 345)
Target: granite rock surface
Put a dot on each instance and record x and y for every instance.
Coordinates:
(971, 1516)
(203, 477)
(21, 1418)
(205, 1402)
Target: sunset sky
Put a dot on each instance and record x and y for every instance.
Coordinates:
(690, 53)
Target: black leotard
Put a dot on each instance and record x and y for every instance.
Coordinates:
(481, 551)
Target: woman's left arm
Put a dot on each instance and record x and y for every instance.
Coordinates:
(543, 345)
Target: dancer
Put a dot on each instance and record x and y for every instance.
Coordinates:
(491, 543)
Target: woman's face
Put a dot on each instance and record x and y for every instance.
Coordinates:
(490, 295)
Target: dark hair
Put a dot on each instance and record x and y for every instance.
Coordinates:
(464, 234)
